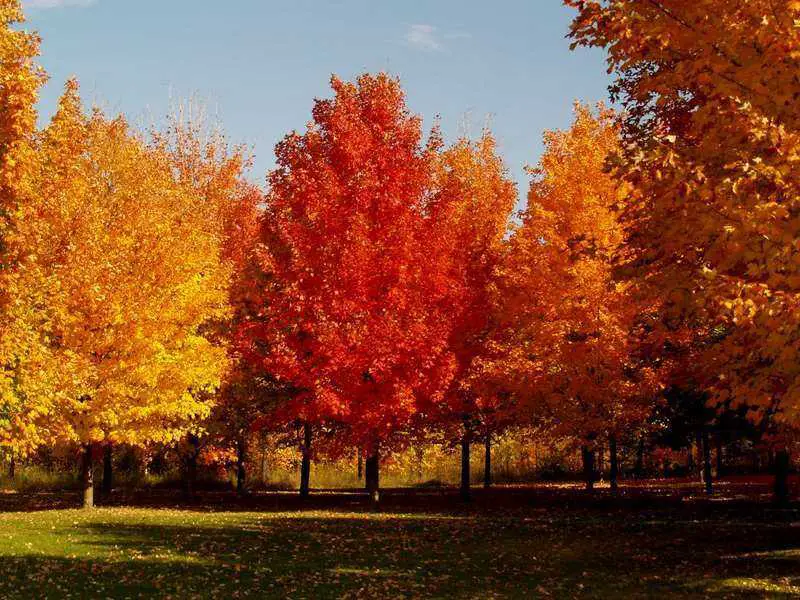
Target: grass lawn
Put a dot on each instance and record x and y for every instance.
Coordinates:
(494, 548)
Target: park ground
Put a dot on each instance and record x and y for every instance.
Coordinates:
(655, 540)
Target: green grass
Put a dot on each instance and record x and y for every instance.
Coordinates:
(520, 551)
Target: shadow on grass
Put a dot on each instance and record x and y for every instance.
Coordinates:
(286, 556)
(744, 494)
(553, 553)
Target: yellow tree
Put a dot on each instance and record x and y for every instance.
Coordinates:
(710, 89)
(569, 320)
(20, 79)
(131, 274)
(206, 162)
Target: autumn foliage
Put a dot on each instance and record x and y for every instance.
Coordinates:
(129, 272)
(380, 290)
(20, 79)
(355, 309)
(563, 346)
(474, 201)
(709, 90)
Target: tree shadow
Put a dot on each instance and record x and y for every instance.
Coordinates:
(257, 557)
(522, 553)
(746, 495)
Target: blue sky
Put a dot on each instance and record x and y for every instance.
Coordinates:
(258, 64)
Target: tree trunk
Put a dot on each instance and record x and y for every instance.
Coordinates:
(108, 469)
(699, 463)
(420, 451)
(614, 465)
(264, 465)
(719, 456)
(588, 467)
(782, 464)
(601, 467)
(87, 477)
(190, 476)
(639, 468)
(707, 462)
(487, 462)
(360, 467)
(305, 467)
(465, 491)
(12, 467)
(690, 460)
(756, 461)
(241, 470)
(372, 476)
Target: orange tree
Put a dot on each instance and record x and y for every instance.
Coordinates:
(568, 321)
(129, 273)
(709, 90)
(355, 311)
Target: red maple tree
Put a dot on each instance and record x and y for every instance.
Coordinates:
(355, 302)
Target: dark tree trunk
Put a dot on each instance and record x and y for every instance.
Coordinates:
(87, 476)
(372, 476)
(305, 467)
(12, 467)
(465, 490)
(614, 465)
(782, 464)
(360, 467)
(690, 460)
(601, 467)
(487, 462)
(707, 462)
(108, 469)
(720, 464)
(756, 461)
(639, 468)
(190, 476)
(241, 469)
(419, 450)
(588, 467)
(699, 463)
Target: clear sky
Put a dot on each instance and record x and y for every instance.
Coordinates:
(259, 64)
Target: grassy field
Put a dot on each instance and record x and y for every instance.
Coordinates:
(506, 544)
